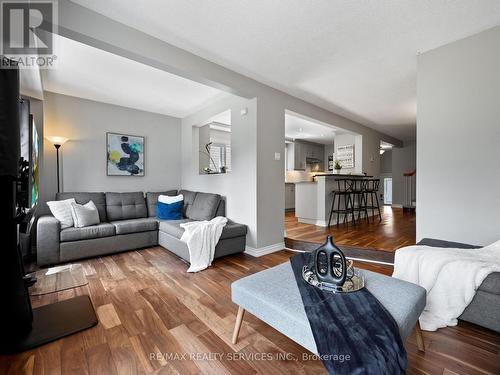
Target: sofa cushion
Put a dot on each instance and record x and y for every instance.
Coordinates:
(99, 200)
(204, 206)
(123, 206)
(84, 215)
(173, 227)
(232, 229)
(188, 200)
(135, 225)
(221, 208)
(152, 199)
(172, 211)
(61, 210)
(87, 233)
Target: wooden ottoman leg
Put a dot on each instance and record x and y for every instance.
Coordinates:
(237, 325)
(420, 337)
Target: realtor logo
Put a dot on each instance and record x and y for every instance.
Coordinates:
(27, 31)
(25, 26)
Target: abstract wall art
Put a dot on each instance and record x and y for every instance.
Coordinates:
(125, 155)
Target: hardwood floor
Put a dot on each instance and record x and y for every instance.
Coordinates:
(394, 231)
(148, 304)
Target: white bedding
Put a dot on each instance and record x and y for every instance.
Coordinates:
(450, 276)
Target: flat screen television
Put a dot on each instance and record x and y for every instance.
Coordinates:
(34, 165)
(27, 193)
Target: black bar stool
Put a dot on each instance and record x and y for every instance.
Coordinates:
(359, 197)
(342, 189)
(371, 190)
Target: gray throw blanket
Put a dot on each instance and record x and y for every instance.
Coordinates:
(354, 333)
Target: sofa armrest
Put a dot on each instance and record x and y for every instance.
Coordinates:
(47, 243)
(232, 229)
(446, 244)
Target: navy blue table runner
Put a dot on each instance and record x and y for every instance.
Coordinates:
(354, 333)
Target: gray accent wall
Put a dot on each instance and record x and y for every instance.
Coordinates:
(386, 162)
(403, 160)
(458, 138)
(83, 158)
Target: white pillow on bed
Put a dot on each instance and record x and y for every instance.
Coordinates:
(167, 199)
(62, 211)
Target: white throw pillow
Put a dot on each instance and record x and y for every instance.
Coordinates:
(167, 199)
(84, 215)
(62, 211)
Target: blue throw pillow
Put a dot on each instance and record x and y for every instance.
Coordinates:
(172, 211)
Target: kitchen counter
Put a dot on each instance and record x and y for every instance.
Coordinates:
(344, 175)
(313, 199)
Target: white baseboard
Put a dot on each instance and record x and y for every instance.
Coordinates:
(397, 205)
(264, 250)
(321, 223)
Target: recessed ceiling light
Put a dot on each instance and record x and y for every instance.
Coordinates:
(300, 129)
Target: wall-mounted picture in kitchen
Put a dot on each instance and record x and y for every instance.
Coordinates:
(345, 155)
(125, 155)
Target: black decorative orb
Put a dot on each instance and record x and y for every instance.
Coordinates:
(330, 263)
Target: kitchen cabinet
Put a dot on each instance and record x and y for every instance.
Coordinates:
(314, 151)
(300, 156)
(296, 157)
(299, 152)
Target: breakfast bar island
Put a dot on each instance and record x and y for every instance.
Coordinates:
(313, 199)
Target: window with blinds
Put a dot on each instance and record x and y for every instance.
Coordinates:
(221, 156)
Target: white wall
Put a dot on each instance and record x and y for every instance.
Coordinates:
(238, 186)
(83, 158)
(458, 138)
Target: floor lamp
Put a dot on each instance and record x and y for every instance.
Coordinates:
(57, 142)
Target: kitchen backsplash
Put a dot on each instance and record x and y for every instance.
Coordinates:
(298, 176)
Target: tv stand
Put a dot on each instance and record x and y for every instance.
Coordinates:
(29, 280)
(52, 322)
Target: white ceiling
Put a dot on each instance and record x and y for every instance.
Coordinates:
(355, 57)
(300, 127)
(91, 73)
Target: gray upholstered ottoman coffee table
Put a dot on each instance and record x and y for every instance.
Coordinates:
(272, 296)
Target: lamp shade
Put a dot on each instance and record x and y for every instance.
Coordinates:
(56, 140)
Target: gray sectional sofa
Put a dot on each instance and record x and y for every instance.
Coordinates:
(128, 222)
